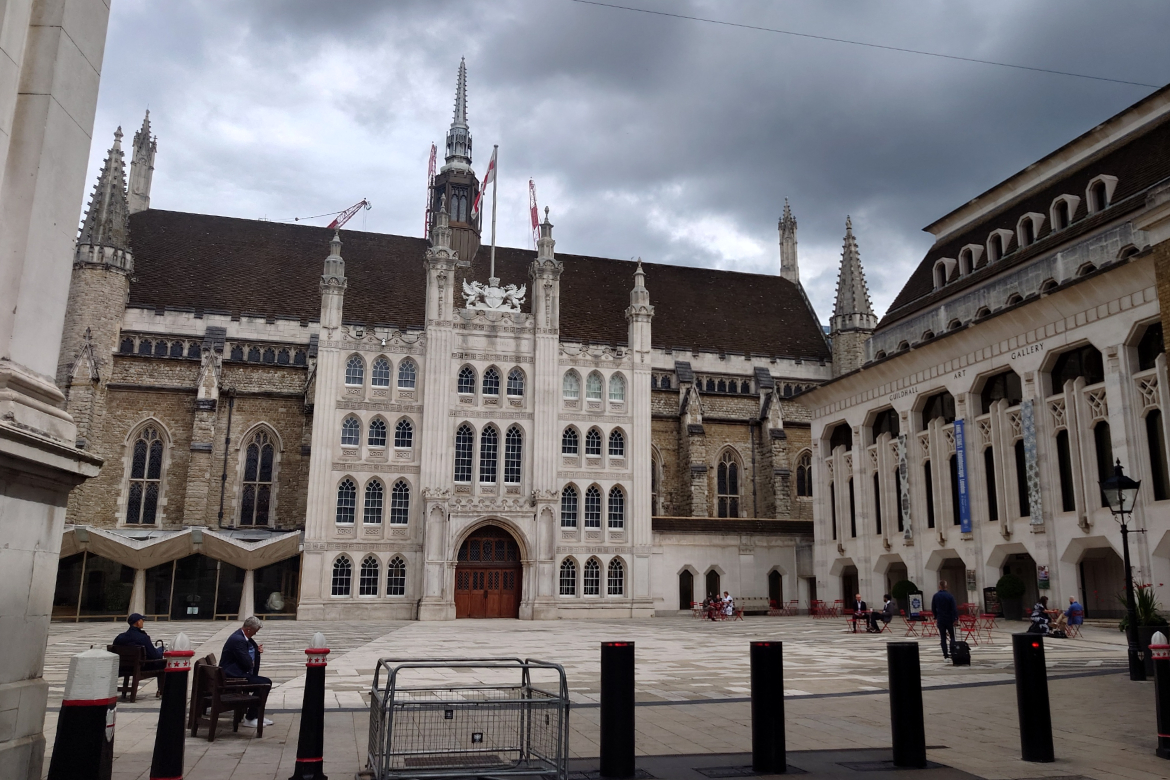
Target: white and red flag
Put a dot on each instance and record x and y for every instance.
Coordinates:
(488, 178)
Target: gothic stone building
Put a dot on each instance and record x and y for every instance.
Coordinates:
(1022, 360)
(288, 432)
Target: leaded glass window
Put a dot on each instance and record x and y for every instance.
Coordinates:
(146, 467)
(593, 508)
(346, 502)
(256, 496)
(380, 373)
(513, 455)
(355, 370)
(489, 450)
(368, 578)
(373, 505)
(342, 576)
(464, 443)
(400, 503)
(569, 507)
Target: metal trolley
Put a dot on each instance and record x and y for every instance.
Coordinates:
(468, 717)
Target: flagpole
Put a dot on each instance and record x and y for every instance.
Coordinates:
(493, 281)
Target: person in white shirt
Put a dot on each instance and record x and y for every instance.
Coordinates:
(728, 604)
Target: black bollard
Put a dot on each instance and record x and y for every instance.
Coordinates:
(1160, 652)
(1032, 698)
(906, 719)
(617, 709)
(311, 742)
(84, 746)
(167, 762)
(769, 751)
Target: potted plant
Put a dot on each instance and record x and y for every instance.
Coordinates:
(1149, 621)
(901, 594)
(1010, 590)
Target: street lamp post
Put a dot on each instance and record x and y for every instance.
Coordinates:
(1121, 493)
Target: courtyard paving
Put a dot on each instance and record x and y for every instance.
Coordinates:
(692, 685)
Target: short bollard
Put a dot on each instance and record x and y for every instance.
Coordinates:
(769, 751)
(84, 746)
(311, 742)
(167, 763)
(1032, 698)
(617, 709)
(1160, 651)
(906, 722)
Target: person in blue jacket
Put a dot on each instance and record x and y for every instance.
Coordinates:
(946, 614)
(241, 658)
(135, 635)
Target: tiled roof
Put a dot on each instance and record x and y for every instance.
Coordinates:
(268, 268)
(1138, 163)
(711, 525)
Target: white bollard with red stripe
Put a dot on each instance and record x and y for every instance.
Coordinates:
(84, 745)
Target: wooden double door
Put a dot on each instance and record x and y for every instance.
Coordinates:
(488, 576)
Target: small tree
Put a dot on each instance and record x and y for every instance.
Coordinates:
(901, 592)
(1009, 587)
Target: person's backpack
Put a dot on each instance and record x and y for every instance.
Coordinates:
(961, 654)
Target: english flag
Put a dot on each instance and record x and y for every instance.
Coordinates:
(488, 178)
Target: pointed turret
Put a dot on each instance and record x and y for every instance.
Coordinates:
(333, 284)
(142, 167)
(639, 314)
(105, 232)
(456, 184)
(458, 136)
(853, 320)
(788, 266)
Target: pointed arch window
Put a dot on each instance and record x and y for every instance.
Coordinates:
(400, 503)
(617, 577)
(617, 444)
(375, 494)
(593, 385)
(489, 450)
(466, 381)
(569, 507)
(368, 578)
(617, 509)
(593, 507)
(342, 577)
(593, 443)
(804, 485)
(407, 374)
(403, 435)
(377, 435)
(513, 455)
(568, 577)
(256, 497)
(346, 502)
(491, 382)
(464, 443)
(569, 442)
(146, 469)
(617, 389)
(515, 383)
(571, 386)
(355, 370)
(396, 577)
(350, 432)
(592, 580)
(727, 485)
(380, 373)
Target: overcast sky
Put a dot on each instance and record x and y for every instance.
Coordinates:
(673, 140)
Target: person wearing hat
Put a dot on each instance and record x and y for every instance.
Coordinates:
(136, 636)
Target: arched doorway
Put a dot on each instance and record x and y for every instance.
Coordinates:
(686, 589)
(713, 583)
(775, 589)
(488, 575)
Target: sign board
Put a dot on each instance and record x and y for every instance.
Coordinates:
(964, 496)
(991, 602)
(915, 605)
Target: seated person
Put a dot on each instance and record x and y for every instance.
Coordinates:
(886, 615)
(728, 604)
(134, 635)
(241, 658)
(1074, 615)
(1039, 617)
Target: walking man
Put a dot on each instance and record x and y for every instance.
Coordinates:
(241, 658)
(946, 613)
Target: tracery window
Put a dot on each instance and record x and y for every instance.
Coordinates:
(569, 507)
(373, 507)
(489, 450)
(377, 436)
(568, 577)
(491, 382)
(407, 373)
(593, 387)
(513, 454)
(617, 577)
(256, 496)
(146, 467)
(400, 503)
(403, 435)
(368, 578)
(466, 381)
(355, 370)
(569, 442)
(727, 485)
(804, 485)
(592, 579)
(464, 443)
(350, 432)
(617, 444)
(593, 442)
(617, 508)
(617, 388)
(346, 501)
(593, 507)
(379, 373)
(342, 576)
(396, 577)
(571, 386)
(515, 383)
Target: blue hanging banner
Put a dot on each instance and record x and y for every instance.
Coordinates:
(964, 496)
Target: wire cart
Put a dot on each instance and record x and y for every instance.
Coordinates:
(468, 717)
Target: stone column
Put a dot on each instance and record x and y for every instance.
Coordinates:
(138, 594)
(248, 595)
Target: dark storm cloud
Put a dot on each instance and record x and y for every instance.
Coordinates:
(647, 136)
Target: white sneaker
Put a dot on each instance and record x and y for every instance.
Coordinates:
(267, 722)
(248, 723)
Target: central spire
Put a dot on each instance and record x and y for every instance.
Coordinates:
(459, 137)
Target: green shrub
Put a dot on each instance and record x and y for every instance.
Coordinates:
(902, 590)
(1009, 587)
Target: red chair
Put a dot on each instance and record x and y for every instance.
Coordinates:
(911, 625)
(968, 629)
(849, 621)
(985, 625)
(929, 627)
(792, 608)
(838, 605)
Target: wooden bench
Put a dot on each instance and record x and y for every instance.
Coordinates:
(753, 605)
(133, 669)
(215, 693)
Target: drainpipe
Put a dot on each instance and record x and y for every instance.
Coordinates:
(755, 486)
(227, 441)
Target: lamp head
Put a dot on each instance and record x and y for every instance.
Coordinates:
(1120, 491)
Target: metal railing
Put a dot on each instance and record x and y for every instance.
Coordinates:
(468, 717)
